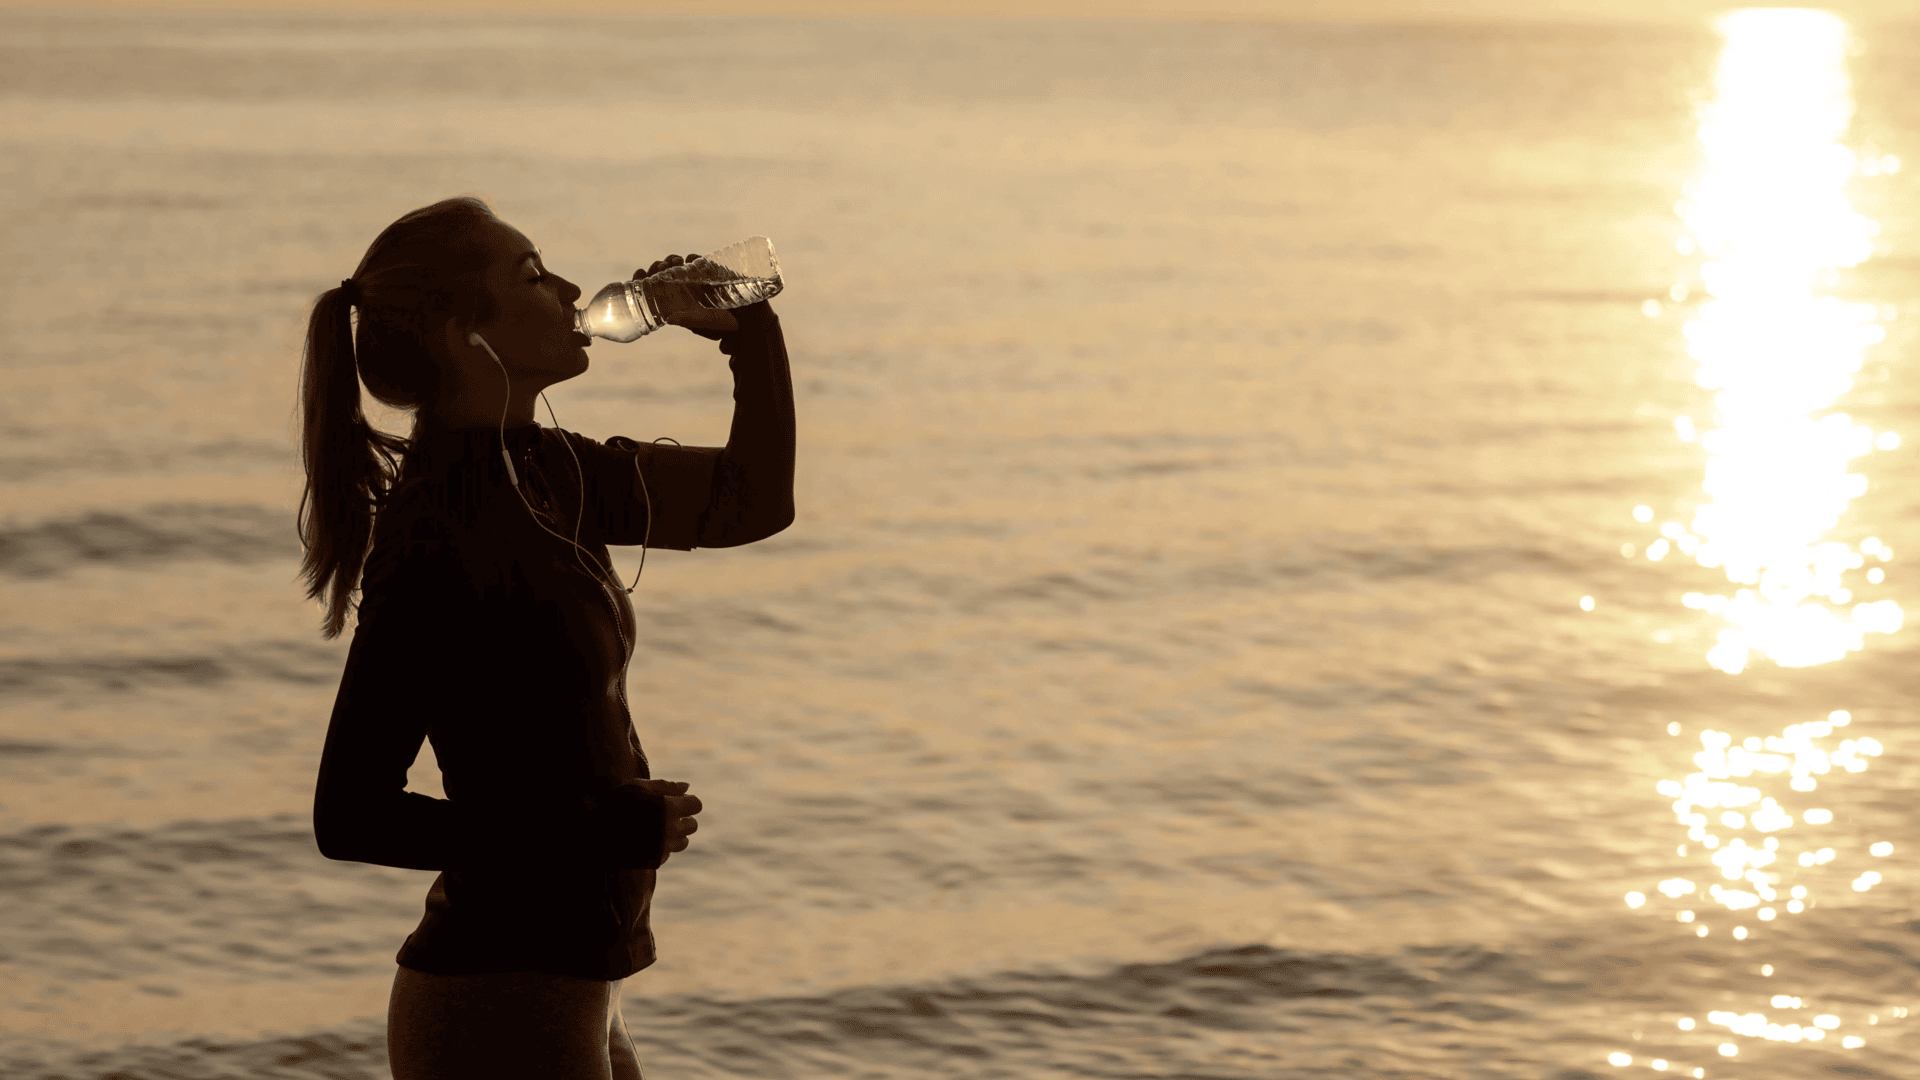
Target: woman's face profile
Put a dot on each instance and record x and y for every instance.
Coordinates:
(531, 328)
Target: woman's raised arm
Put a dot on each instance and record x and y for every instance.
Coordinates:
(753, 476)
(711, 496)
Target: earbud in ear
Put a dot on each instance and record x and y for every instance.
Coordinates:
(475, 339)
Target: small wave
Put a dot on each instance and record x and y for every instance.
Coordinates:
(12, 748)
(143, 201)
(1231, 1013)
(354, 1052)
(154, 534)
(46, 459)
(297, 662)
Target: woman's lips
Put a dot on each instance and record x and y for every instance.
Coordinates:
(583, 338)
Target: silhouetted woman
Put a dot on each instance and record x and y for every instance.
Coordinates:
(483, 627)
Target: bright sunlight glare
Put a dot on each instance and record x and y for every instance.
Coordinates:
(1770, 216)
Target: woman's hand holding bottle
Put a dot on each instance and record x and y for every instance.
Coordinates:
(682, 310)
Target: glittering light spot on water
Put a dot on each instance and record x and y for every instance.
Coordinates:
(1866, 881)
(1643, 514)
(1673, 728)
(1659, 1065)
(1756, 1025)
(1586, 603)
(1686, 1023)
(1617, 1058)
(1678, 294)
(1636, 899)
(1886, 440)
(1658, 549)
(1651, 309)
(1721, 764)
(1627, 552)
(1880, 616)
(1683, 427)
(1728, 1049)
(1881, 848)
(1827, 1020)
(1876, 575)
(1853, 1042)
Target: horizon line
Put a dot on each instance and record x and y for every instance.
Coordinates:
(1619, 13)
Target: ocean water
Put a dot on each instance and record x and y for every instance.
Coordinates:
(1217, 639)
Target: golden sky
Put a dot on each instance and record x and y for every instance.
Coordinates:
(1653, 11)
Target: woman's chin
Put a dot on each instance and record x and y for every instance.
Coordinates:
(573, 362)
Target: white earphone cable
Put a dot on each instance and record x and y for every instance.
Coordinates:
(598, 572)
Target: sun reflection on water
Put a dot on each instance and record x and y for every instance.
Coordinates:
(1769, 214)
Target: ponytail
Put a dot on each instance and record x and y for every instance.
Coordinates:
(350, 467)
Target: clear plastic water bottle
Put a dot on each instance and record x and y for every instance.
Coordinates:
(735, 276)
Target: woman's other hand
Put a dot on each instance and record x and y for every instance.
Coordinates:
(680, 810)
(699, 319)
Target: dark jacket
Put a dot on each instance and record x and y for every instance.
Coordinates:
(481, 631)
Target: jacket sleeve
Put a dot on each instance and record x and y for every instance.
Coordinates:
(710, 496)
(410, 657)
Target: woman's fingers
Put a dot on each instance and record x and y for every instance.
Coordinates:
(662, 264)
(680, 823)
(678, 829)
(657, 787)
(714, 321)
